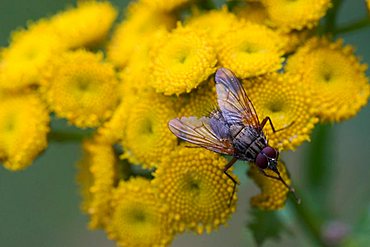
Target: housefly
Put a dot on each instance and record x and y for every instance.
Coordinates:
(232, 129)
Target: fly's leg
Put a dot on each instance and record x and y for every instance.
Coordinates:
(279, 178)
(230, 164)
(267, 175)
(264, 121)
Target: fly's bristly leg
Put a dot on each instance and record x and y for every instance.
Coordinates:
(279, 178)
(230, 164)
(264, 121)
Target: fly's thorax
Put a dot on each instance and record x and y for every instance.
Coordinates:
(248, 143)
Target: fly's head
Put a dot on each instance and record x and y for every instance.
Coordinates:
(268, 158)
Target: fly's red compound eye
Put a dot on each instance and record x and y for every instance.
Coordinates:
(261, 161)
(270, 152)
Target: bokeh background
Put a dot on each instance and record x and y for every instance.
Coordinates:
(41, 205)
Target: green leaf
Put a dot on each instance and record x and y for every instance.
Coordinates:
(266, 225)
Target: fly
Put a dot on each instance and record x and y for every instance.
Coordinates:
(232, 129)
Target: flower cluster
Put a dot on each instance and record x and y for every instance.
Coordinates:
(138, 181)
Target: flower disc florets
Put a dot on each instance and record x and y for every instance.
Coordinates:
(337, 80)
(182, 60)
(192, 182)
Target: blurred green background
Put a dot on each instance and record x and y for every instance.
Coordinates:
(40, 206)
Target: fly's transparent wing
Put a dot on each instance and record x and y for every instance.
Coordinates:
(233, 101)
(198, 131)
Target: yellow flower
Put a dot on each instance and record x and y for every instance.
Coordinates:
(97, 177)
(335, 76)
(29, 50)
(165, 5)
(136, 31)
(294, 39)
(273, 192)
(84, 26)
(200, 102)
(256, 12)
(112, 131)
(135, 75)
(288, 15)
(217, 23)
(139, 219)
(191, 181)
(79, 86)
(147, 138)
(253, 12)
(134, 81)
(24, 124)
(251, 50)
(288, 103)
(181, 60)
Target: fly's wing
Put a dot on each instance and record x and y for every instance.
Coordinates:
(198, 131)
(233, 101)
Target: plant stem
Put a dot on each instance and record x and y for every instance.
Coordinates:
(317, 162)
(206, 4)
(331, 17)
(365, 22)
(317, 172)
(65, 136)
(309, 220)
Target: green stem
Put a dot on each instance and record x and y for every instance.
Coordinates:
(231, 4)
(65, 136)
(331, 17)
(206, 4)
(308, 220)
(317, 161)
(312, 215)
(365, 22)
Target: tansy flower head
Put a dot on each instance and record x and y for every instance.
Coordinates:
(135, 31)
(135, 75)
(216, 23)
(335, 76)
(287, 102)
(139, 219)
(181, 60)
(295, 38)
(24, 124)
(84, 26)
(147, 138)
(288, 15)
(112, 131)
(27, 54)
(273, 192)
(251, 50)
(254, 12)
(165, 5)
(79, 86)
(134, 81)
(200, 102)
(192, 182)
(97, 176)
